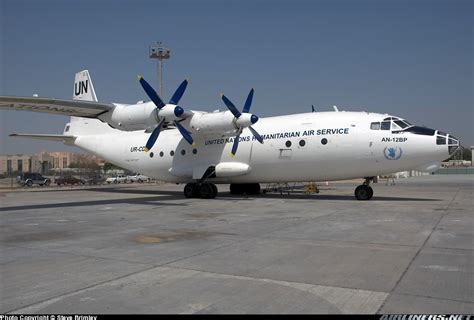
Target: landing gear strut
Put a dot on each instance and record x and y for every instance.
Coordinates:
(364, 191)
(205, 190)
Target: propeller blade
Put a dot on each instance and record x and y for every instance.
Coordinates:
(179, 92)
(312, 109)
(151, 93)
(235, 145)
(231, 106)
(256, 135)
(154, 135)
(248, 102)
(186, 135)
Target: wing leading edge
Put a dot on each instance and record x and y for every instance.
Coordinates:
(86, 109)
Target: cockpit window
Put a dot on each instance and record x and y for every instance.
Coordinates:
(440, 140)
(401, 124)
(385, 125)
(452, 141)
(420, 130)
(375, 126)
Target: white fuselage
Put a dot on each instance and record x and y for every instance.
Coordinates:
(352, 149)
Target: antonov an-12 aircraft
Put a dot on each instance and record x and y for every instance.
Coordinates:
(201, 149)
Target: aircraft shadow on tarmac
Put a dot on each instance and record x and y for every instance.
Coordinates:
(155, 201)
(162, 198)
(225, 195)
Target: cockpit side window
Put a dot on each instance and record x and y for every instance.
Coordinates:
(385, 125)
(375, 126)
(401, 124)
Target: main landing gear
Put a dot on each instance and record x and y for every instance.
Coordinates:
(364, 191)
(205, 190)
(248, 188)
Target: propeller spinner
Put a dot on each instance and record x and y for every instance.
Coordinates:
(169, 111)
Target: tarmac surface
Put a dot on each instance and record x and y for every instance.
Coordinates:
(147, 249)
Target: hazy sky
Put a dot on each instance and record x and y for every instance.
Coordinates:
(413, 59)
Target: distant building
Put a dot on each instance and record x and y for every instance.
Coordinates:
(15, 162)
(43, 161)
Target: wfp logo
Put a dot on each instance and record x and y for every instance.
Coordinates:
(392, 153)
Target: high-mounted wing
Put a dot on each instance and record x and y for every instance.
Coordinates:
(86, 109)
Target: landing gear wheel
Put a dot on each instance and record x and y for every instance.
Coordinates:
(363, 192)
(371, 193)
(214, 188)
(236, 188)
(253, 189)
(207, 191)
(190, 190)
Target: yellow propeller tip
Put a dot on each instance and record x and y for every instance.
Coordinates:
(139, 76)
(146, 149)
(193, 145)
(222, 94)
(233, 155)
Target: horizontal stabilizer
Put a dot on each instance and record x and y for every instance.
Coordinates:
(78, 108)
(51, 137)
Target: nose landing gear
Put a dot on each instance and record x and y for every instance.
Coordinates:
(364, 191)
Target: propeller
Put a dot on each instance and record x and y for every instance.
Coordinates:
(171, 109)
(243, 120)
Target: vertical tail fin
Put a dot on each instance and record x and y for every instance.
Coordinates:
(83, 88)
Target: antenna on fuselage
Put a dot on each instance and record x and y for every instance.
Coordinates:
(335, 108)
(312, 108)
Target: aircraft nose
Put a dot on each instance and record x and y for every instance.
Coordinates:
(447, 139)
(453, 144)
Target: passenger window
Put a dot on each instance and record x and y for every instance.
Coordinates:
(385, 125)
(375, 126)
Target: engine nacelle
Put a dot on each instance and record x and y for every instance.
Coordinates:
(131, 117)
(218, 122)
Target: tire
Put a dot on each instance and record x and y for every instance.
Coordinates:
(140, 180)
(362, 192)
(29, 183)
(47, 183)
(371, 193)
(236, 188)
(252, 189)
(190, 190)
(214, 189)
(206, 191)
(115, 181)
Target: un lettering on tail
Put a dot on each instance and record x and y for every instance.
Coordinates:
(83, 88)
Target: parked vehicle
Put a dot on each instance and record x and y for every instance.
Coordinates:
(29, 179)
(68, 180)
(95, 180)
(117, 179)
(138, 178)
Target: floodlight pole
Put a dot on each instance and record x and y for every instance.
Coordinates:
(159, 52)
